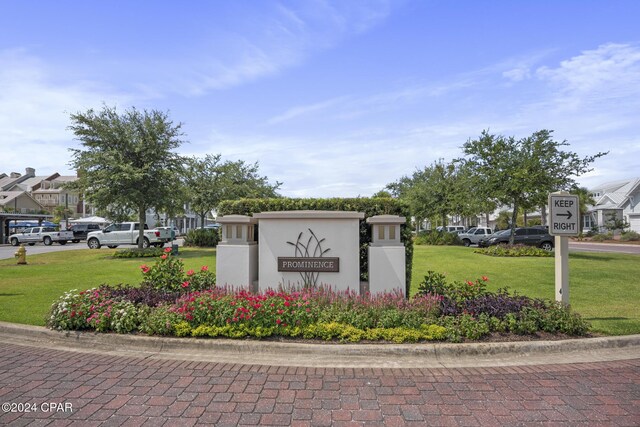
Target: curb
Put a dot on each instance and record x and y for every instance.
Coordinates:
(330, 354)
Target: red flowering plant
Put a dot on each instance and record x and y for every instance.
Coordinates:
(199, 280)
(220, 307)
(282, 310)
(436, 284)
(168, 275)
(93, 309)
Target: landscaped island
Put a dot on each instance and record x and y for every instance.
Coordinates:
(170, 301)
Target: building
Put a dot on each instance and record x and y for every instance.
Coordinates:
(19, 202)
(48, 191)
(617, 199)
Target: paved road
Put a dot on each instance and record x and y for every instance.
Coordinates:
(69, 387)
(8, 251)
(604, 247)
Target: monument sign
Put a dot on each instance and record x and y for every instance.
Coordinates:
(310, 248)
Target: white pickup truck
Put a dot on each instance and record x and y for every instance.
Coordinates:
(46, 235)
(127, 233)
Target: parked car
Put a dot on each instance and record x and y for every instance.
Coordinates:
(46, 235)
(127, 233)
(473, 235)
(532, 236)
(80, 231)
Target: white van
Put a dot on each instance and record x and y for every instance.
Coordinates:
(450, 228)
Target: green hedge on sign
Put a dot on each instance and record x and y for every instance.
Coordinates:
(370, 207)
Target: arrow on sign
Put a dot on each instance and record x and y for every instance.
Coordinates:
(568, 215)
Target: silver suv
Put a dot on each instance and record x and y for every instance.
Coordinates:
(474, 234)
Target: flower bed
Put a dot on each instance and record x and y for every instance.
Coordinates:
(169, 301)
(506, 250)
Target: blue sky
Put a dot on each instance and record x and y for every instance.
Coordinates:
(333, 98)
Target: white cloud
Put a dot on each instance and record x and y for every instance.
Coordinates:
(303, 110)
(517, 74)
(282, 39)
(610, 65)
(34, 111)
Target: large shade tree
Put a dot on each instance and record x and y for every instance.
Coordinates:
(209, 181)
(127, 161)
(434, 192)
(521, 173)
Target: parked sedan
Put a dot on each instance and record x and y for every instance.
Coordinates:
(532, 236)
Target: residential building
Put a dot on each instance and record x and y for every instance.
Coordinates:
(19, 202)
(47, 190)
(617, 199)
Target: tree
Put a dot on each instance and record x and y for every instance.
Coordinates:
(585, 199)
(384, 194)
(521, 173)
(61, 213)
(128, 163)
(209, 182)
(434, 192)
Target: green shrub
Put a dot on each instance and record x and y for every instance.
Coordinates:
(601, 237)
(435, 284)
(202, 237)
(513, 251)
(370, 207)
(437, 238)
(630, 236)
(464, 326)
(159, 320)
(166, 274)
(96, 310)
(138, 253)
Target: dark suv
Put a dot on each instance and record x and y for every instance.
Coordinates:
(80, 231)
(532, 236)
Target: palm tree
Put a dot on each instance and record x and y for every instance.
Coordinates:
(585, 199)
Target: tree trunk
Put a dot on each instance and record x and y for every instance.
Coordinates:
(514, 219)
(524, 218)
(141, 220)
(202, 217)
(543, 215)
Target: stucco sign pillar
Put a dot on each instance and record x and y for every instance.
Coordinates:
(309, 248)
(387, 257)
(237, 252)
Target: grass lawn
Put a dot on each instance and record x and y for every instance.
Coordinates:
(27, 291)
(604, 287)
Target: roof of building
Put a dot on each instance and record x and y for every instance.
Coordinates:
(615, 194)
(7, 197)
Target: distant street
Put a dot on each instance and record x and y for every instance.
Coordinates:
(8, 251)
(604, 247)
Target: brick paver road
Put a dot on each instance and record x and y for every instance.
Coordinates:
(111, 390)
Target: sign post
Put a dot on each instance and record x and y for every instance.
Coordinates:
(564, 215)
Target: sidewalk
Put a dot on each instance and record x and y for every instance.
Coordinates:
(93, 379)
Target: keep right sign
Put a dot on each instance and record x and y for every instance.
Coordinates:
(564, 214)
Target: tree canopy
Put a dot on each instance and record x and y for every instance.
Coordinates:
(441, 190)
(127, 161)
(210, 181)
(521, 173)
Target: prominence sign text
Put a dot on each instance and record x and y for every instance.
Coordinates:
(299, 264)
